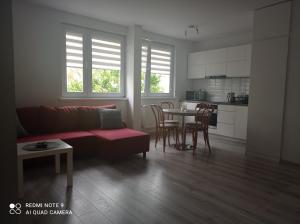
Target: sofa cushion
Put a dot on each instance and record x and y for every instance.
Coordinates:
(21, 132)
(68, 118)
(65, 136)
(117, 134)
(49, 120)
(110, 118)
(29, 118)
(121, 142)
(89, 118)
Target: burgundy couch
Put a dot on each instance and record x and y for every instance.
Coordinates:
(79, 126)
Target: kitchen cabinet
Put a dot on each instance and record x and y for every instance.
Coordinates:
(241, 120)
(215, 56)
(215, 69)
(239, 61)
(231, 61)
(196, 65)
(232, 121)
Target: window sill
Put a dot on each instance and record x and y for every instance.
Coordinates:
(91, 98)
(158, 98)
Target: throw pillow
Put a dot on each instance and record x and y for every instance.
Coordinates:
(21, 132)
(110, 118)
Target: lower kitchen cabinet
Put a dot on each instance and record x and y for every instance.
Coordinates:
(232, 121)
(240, 125)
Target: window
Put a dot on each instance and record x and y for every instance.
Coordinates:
(74, 62)
(93, 64)
(156, 70)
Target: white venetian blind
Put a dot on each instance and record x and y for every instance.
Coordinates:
(106, 54)
(74, 50)
(143, 66)
(144, 58)
(161, 61)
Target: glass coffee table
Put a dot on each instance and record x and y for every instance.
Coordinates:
(56, 148)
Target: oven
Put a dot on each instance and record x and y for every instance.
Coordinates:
(214, 116)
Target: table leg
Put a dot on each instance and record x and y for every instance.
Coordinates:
(20, 178)
(57, 163)
(182, 134)
(70, 168)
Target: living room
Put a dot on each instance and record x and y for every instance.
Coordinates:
(150, 112)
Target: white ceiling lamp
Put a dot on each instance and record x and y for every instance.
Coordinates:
(192, 30)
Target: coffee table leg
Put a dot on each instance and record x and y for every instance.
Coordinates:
(70, 168)
(57, 163)
(20, 178)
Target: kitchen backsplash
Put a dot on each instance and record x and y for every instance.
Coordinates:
(217, 89)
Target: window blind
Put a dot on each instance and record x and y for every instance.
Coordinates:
(144, 58)
(74, 50)
(160, 61)
(106, 54)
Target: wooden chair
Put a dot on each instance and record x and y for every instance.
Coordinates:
(169, 118)
(163, 129)
(201, 123)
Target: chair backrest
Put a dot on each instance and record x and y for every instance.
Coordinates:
(158, 115)
(167, 105)
(203, 117)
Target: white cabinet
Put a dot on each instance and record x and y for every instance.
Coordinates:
(241, 119)
(196, 65)
(197, 71)
(232, 121)
(215, 69)
(215, 56)
(239, 61)
(231, 61)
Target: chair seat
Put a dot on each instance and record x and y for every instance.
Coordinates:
(193, 125)
(171, 121)
(169, 125)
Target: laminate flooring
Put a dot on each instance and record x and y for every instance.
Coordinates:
(173, 187)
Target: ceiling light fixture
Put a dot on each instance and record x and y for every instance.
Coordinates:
(191, 29)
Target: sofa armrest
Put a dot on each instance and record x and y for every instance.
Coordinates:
(124, 124)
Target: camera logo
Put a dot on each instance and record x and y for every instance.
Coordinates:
(15, 209)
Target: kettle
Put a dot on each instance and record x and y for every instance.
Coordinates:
(230, 97)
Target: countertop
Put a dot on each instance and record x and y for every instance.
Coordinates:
(218, 103)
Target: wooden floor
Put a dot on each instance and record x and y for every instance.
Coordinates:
(171, 187)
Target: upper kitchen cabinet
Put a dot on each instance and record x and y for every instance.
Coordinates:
(215, 62)
(232, 62)
(196, 65)
(238, 61)
(207, 63)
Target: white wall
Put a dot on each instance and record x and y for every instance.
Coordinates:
(38, 49)
(291, 136)
(8, 161)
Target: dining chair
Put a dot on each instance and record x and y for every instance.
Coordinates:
(163, 128)
(201, 123)
(169, 118)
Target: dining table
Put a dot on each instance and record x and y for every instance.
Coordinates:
(182, 113)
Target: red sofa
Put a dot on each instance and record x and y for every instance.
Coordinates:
(79, 126)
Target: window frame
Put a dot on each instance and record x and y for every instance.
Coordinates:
(87, 35)
(147, 88)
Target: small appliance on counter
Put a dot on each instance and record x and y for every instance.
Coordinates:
(199, 95)
(230, 97)
(242, 99)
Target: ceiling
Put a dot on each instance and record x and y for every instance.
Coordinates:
(215, 18)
